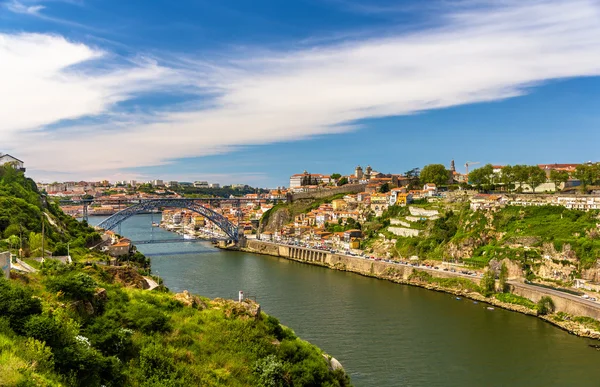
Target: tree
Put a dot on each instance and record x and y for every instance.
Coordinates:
(558, 177)
(488, 283)
(507, 177)
(545, 305)
(521, 174)
(481, 177)
(535, 177)
(434, 173)
(342, 181)
(413, 178)
(503, 278)
(335, 176)
(587, 174)
(385, 187)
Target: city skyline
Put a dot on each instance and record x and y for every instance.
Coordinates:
(252, 94)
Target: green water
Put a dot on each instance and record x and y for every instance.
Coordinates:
(384, 334)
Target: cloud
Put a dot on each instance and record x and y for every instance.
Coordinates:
(488, 52)
(17, 7)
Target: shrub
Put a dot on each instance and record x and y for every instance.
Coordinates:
(77, 286)
(269, 371)
(488, 283)
(545, 305)
(517, 300)
(17, 304)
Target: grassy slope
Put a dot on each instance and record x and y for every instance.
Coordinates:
(57, 329)
(516, 233)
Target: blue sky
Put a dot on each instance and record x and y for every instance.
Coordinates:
(239, 91)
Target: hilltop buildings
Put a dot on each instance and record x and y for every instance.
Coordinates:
(15, 162)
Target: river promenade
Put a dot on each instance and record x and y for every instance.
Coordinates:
(400, 272)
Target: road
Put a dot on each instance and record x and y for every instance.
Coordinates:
(550, 292)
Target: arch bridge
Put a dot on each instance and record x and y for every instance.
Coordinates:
(195, 205)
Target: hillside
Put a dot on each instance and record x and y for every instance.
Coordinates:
(540, 239)
(87, 324)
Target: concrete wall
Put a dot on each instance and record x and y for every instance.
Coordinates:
(562, 304)
(5, 264)
(403, 231)
(323, 193)
(386, 270)
(342, 262)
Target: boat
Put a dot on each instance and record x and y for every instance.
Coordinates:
(154, 224)
(188, 236)
(490, 308)
(475, 302)
(458, 298)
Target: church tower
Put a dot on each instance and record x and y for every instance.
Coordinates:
(358, 172)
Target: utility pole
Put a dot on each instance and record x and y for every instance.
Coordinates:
(20, 240)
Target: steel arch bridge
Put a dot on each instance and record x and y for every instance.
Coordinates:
(147, 205)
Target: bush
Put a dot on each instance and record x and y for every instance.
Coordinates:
(545, 305)
(517, 300)
(269, 371)
(77, 286)
(17, 305)
(488, 283)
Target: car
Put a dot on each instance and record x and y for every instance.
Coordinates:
(585, 296)
(592, 298)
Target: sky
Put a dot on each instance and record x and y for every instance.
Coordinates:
(251, 92)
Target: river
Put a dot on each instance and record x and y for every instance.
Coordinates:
(383, 333)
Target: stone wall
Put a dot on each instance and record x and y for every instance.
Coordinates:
(341, 262)
(5, 264)
(416, 211)
(326, 192)
(562, 303)
(403, 231)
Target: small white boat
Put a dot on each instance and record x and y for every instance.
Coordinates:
(490, 308)
(188, 236)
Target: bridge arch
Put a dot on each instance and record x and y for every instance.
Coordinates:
(150, 204)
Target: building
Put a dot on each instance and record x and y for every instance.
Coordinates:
(158, 183)
(122, 247)
(172, 184)
(430, 189)
(399, 197)
(214, 185)
(306, 179)
(201, 184)
(358, 173)
(15, 162)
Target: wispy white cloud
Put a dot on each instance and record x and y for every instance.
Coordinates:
(18, 7)
(489, 52)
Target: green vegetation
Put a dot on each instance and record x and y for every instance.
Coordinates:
(22, 211)
(90, 325)
(76, 325)
(488, 283)
(451, 283)
(515, 233)
(511, 298)
(503, 278)
(545, 305)
(435, 173)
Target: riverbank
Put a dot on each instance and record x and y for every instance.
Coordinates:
(574, 316)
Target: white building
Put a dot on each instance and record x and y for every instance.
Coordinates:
(6, 158)
(201, 184)
(305, 178)
(158, 183)
(214, 185)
